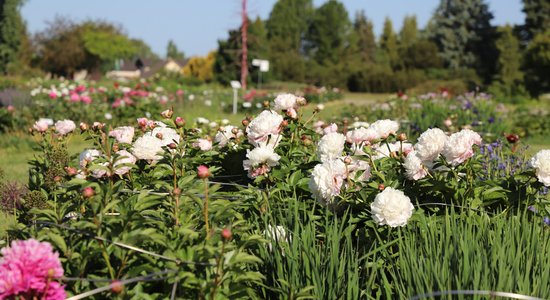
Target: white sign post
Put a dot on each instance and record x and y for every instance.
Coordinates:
(236, 86)
(263, 65)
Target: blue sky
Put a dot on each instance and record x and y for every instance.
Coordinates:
(196, 25)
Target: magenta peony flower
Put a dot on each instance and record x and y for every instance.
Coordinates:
(29, 269)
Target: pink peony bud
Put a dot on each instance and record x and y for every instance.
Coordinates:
(167, 114)
(203, 172)
(117, 287)
(180, 122)
(88, 192)
(226, 234)
(53, 95)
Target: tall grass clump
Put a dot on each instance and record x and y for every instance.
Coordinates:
(474, 252)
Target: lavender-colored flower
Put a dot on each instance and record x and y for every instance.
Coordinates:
(546, 221)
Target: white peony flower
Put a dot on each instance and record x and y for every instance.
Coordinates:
(285, 102)
(265, 129)
(64, 127)
(391, 207)
(458, 147)
(260, 160)
(123, 162)
(148, 147)
(541, 163)
(331, 146)
(331, 128)
(124, 134)
(385, 150)
(361, 136)
(327, 180)
(359, 124)
(414, 169)
(88, 156)
(359, 170)
(168, 135)
(385, 127)
(430, 145)
(225, 134)
(203, 144)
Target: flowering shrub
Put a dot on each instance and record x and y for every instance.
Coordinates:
(162, 207)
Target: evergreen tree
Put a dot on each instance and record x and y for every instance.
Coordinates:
(509, 77)
(388, 44)
(463, 33)
(173, 52)
(537, 17)
(286, 28)
(364, 33)
(537, 64)
(329, 32)
(227, 65)
(408, 33)
(11, 32)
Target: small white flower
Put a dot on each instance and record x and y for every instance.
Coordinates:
(391, 207)
(331, 146)
(108, 116)
(414, 170)
(148, 147)
(277, 234)
(203, 144)
(123, 162)
(326, 181)
(88, 156)
(285, 102)
(430, 145)
(458, 147)
(260, 160)
(385, 127)
(541, 163)
(208, 102)
(64, 127)
(225, 135)
(202, 121)
(123, 134)
(265, 129)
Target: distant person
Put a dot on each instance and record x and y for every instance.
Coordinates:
(139, 64)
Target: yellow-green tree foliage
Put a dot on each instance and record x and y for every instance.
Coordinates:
(201, 67)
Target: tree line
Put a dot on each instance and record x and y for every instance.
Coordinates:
(320, 46)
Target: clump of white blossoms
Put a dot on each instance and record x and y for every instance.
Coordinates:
(391, 207)
(265, 129)
(124, 134)
(227, 133)
(384, 128)
(414, 169)
(327, 180)
(148, 147)
(331, 146)
(541, 163)
(458, 147)
(260, 160)
(430, 144)
(64, 127)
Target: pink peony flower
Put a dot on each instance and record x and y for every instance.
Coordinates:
(53, 95)
(179, 92)
(458, 148)
(64, 127)
(75, 98)
(86, 99)
(28, 269)
(40, 126)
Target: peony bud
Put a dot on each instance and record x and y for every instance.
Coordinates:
(57, 178)
(266, 104)
(301, 101)
(245, 122)
(172, 146)
(142, 122)
(71, 171)
(117, 287)
(83, 126)
(381, 187)
(167, 114)
(226, 234)
(180, 122)
(284, 123)
(448, 122)
(402, 137)
(97, 126)
(176, 192)
(159, 135)
(203, 172)
(512, 138)
(88, 192)
(235, 131)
